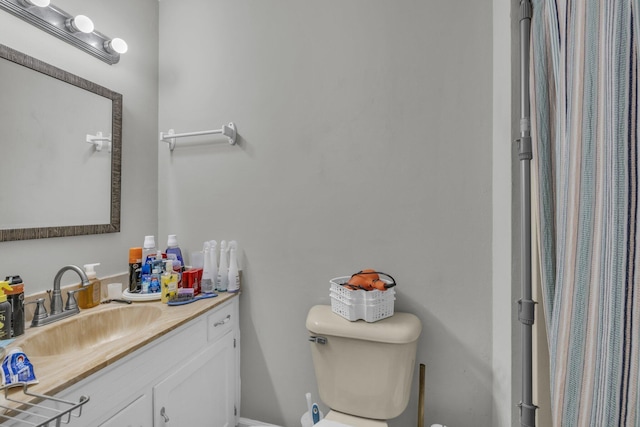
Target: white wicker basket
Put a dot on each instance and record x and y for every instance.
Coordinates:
(353, 305)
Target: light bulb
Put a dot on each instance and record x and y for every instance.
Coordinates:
(116, 45)
(80, 23)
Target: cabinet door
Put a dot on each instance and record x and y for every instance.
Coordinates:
(201, 392)
(136, 414)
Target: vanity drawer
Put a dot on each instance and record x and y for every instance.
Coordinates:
(221, 321)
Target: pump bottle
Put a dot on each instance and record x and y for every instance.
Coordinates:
(90, 296)
(169, 282)
(5, 312)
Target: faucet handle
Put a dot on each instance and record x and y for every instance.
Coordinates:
(72, 304)
(40, 312)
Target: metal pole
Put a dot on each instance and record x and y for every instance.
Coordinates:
(525, 153)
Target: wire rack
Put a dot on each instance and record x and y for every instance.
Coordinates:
(32, 409)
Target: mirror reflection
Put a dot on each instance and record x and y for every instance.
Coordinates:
(55, 182)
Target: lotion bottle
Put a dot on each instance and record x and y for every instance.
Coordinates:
(90, 296)
(234, 273)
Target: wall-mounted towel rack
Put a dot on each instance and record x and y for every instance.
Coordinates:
(227, 130)
(28, 408)
(99, 141)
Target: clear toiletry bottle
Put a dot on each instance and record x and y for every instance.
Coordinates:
(206, 285)
(90, 295)
(234, 273)
(213, 256)
(157, 268)
(5, 312)
(149, 249)
(223, 268)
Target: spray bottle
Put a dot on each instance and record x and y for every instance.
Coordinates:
(5, 312)
(213, 254)
(223, 269)
(206, 285)
(234, 273)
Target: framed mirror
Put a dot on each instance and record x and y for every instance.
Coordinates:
(61, 149)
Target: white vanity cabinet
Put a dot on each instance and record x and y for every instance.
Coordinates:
(191, 395)
(188, 377)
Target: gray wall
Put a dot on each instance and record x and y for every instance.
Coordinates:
(136, 78)
(366, 141)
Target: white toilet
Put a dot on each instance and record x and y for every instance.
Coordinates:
(364, 370)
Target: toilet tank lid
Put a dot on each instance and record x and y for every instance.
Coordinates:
(401, 328)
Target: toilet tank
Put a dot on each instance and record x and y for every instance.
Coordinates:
(364, 369)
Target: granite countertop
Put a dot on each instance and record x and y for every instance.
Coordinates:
(57, 372)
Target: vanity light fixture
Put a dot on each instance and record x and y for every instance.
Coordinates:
(39, 3)
(76, 30)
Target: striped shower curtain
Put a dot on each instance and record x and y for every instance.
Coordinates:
(584, 87)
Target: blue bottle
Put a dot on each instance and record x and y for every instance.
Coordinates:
(173, 248)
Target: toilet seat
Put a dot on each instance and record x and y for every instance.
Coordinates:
(339, 419)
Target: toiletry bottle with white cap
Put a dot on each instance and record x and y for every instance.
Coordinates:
(223, 268)
(173, 248)
(90, 296)
(149, 249)
(213, 255)
(234, 273)
(175, 254)
(206, 284)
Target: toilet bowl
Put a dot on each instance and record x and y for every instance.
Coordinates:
(338, 419)
(363, 370)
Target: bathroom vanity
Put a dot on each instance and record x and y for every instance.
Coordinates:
(182, 369)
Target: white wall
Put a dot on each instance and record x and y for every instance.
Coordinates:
(136, 78)
(505, 232)
(366, 141)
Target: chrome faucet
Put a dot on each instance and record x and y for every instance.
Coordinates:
(41, 317)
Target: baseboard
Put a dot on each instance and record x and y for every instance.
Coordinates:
(245, 422)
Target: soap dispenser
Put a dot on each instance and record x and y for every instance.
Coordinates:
(5, 312)
(90, 295)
